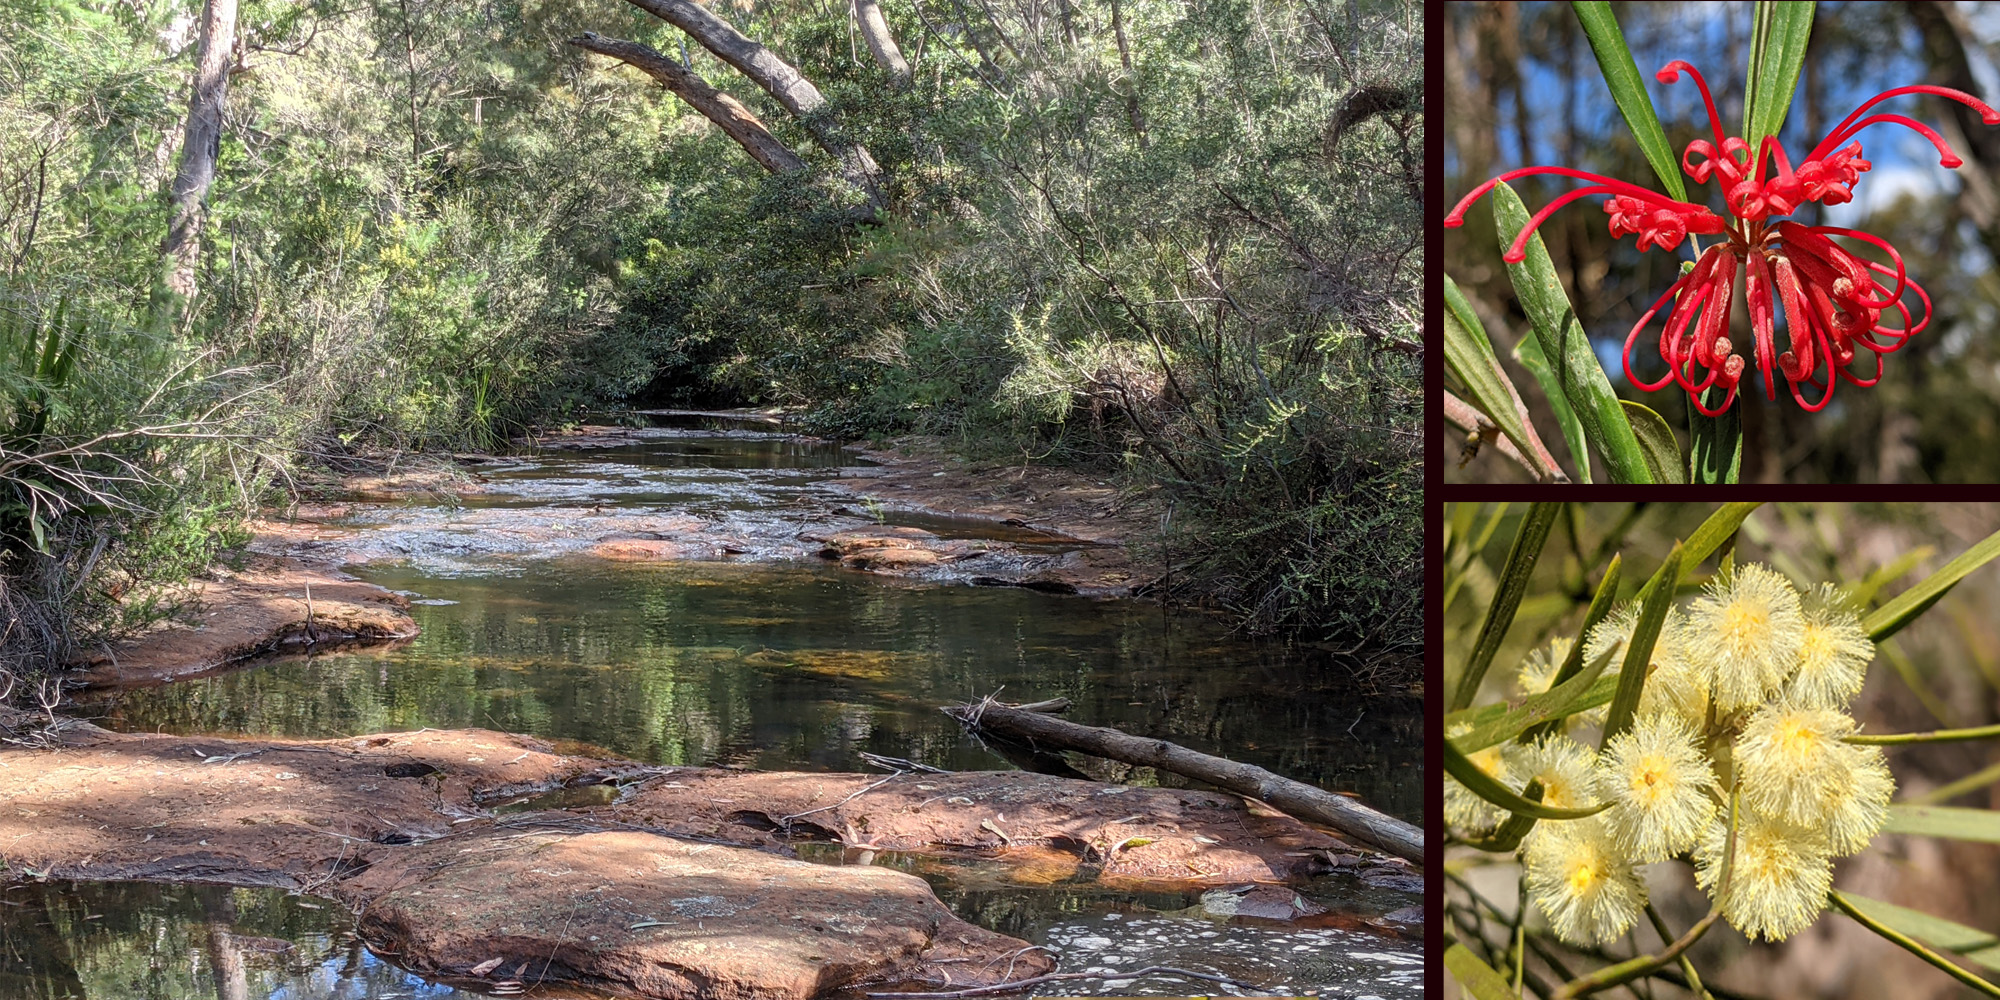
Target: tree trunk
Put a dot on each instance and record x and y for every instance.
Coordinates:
(225, 956)
(1132, 112)
(875, 31)
(720, 108)
(1379, 831)
(200, 145)
(1947, 39)
(779, 78)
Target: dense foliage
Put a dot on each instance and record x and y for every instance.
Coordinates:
(1178, 240)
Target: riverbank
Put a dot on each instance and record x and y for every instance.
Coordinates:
(264, 605)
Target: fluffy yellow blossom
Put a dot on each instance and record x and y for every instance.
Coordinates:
(1673, 683)
(1581, 881)
(1463, 810)
(1611, 635)
(1538, 671)
(1538, 674)
(1833, 653)
(1562, 765)
(1659, 782)
(1777, 882)
(1858, 813)
(1791, 764)
(1744, 634)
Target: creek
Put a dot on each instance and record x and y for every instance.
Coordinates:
(770, 661)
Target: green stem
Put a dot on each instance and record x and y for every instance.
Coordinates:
(1640, 967)
(1910, 945)
(1934, 736)
(1945, 793)
(1687, 968)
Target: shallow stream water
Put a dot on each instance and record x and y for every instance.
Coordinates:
(789, 665)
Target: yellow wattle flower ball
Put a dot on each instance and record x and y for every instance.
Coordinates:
(1777, 882)
(1562, 765)
(1581, 881)
(1834, 652)
(1659, 783)
(1858, 814)
(1674, 684)
(1463, 810)
(1791, 764)
(1538, 670)
(1538, 674)
(1611, 635)
(1745, 636)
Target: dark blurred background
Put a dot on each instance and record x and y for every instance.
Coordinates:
(1522, 88)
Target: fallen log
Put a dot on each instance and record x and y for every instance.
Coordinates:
(1382, 832)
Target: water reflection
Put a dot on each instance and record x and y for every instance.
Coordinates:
(799, 667)
(102, 940)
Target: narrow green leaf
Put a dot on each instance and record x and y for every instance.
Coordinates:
(1950, 822)
(1715, 444)
(1509, 834)
(1969, 943)
(1970, 783)
(1628, 89)
(1459, 307)
(1714, 531)
(1654, 603)
(1528, 541)
(1776, 56)
(1906, 668)
(1574, 695)
(1468, 355)
(1600, 607)
(1902, 609)
(1656, 442)
(1487, 787)
(1476, 976)
(1528, 351)
(1465, 513)
(1566, 346)
(1851, 905)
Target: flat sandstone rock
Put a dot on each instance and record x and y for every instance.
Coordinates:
(645, 914)
(1125, 835)
(261, 609)
(397, 827)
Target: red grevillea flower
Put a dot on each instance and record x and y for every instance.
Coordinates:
(1832, 300)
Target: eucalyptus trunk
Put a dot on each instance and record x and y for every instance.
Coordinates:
(200, 146)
